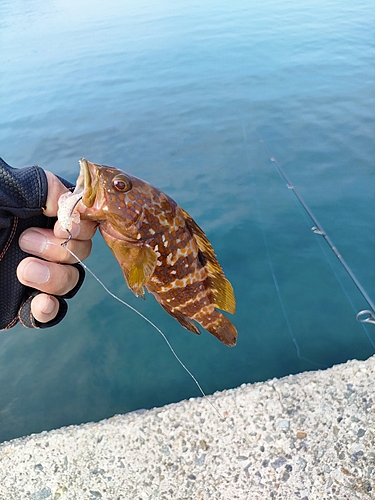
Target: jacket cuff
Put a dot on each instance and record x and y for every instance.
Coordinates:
(23, 192)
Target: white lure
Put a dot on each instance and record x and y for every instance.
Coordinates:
(66, 214)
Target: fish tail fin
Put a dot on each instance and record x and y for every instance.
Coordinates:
(223, 329)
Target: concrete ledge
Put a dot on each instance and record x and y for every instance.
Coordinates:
(306, 437)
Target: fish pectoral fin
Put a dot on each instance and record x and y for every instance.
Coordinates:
(137, 263)
(141, 270)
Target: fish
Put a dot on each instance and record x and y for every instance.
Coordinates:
(159, 247)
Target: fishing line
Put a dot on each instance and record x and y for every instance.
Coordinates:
(361, 321)
(270, 263)
(324, 250)
(221, 416)
(364, 316)
(64, 245)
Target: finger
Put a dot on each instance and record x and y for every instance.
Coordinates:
(55, 189)
(48, 277)
(44, 307)
(43, 243)
(85, 230)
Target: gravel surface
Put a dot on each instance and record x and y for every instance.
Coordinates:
(306, 437)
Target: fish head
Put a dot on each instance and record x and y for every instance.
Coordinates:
(105, 195)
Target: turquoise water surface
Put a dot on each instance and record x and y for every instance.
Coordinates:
(185, 95)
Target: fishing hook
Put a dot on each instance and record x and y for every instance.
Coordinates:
(64, 243)
(70, 236)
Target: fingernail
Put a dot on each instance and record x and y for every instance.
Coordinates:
(75, 230)
(48, 306)
(33, 242)
(36, 272)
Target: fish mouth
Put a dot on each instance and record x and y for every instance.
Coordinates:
(87, 182)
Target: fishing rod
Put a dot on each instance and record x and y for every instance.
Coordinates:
(364, 316)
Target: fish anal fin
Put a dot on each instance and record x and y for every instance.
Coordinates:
(186, 322)
(181, 318)
(221, 288)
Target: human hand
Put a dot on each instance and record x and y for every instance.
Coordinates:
(54, 275)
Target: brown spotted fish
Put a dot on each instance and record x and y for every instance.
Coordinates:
(159, 247)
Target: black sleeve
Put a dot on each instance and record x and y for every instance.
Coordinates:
(23, 194)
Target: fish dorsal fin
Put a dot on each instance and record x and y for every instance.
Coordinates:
(221, 287)
(137, 263)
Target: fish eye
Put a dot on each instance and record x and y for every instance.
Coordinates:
(121, 183)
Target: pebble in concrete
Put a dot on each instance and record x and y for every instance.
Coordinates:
(305, 437)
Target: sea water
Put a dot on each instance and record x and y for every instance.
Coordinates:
(186, 95)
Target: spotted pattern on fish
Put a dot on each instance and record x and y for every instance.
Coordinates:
(159, 247)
